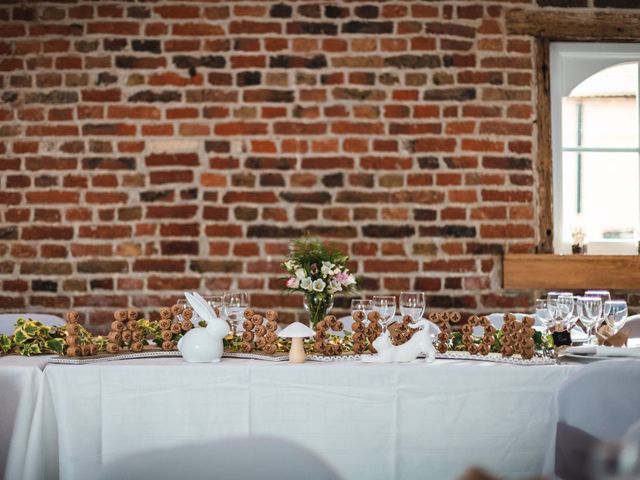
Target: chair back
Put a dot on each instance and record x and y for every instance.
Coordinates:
(632, 326)
(8, 320)
(264, 458)
(597, 404)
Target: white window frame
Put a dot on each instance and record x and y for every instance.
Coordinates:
(570, 64)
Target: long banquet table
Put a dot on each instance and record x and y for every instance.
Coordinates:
(20, 382)
(369, 421)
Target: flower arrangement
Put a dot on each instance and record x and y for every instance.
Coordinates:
(319, 272)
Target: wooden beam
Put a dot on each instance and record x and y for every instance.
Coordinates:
(544, 163)
(571, 272)
(574, 26)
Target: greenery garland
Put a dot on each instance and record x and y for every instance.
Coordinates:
(31, 337)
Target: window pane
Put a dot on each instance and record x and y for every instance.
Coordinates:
(602, 111)
(600, 193)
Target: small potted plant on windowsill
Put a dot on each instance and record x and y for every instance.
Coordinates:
(578, 246)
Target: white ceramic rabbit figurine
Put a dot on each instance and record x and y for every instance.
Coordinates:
(407, 352)
(203, 345)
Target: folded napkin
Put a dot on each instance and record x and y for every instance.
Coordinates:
(604, 351)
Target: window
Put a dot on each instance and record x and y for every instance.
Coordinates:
(596, 145)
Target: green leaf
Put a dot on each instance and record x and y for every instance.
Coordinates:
(31, 329)
(5, 343)
(19, 336)
(55, 345)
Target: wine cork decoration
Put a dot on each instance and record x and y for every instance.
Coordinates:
(322, 344)
(174, 322)
(402, 332)
(518, 337)
(259, 332)
(125, 334)
(444, 320)
(488, 338)
(74, 347)
(358, 327)
(373, 330)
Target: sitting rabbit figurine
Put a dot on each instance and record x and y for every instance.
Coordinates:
(203, 344)
(407, 352)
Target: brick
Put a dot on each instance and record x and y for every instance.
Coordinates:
(113, 28)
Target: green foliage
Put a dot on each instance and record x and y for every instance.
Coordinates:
(31, 337)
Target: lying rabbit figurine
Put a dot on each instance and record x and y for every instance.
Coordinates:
(408, 351)
(203, 345)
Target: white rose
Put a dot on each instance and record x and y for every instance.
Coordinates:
(318, 285)
(306, 283)
(300, 274)
(334, 286)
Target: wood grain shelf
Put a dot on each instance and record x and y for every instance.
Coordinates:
(547, 271)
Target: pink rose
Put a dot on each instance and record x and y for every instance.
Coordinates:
(292, 282)
(342, 277)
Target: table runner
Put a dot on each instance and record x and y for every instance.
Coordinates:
(368, 421)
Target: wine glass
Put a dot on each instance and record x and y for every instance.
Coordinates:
(564, 307)
(360, 304)
(543, 314)
(590, 314)
(615, 314)
(385, 305)
(216, 302)
(412, 304)
(604, 295)
(235, 303)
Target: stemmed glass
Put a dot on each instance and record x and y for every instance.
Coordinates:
(412, 304)
(216, 302)
(590, 314)
(235, 303)
(543, 314)
(385, 305)
(360, 304)
(615, 314)
(560, 307)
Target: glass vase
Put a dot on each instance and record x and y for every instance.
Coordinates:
(318, 307)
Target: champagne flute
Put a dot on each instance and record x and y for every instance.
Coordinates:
(615, 314)
(385, 305)
(590, 313)
(235, 303)
(360, 304)
(412, 304)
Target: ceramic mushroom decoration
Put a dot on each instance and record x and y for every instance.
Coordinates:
(296, 332)
(203, 345)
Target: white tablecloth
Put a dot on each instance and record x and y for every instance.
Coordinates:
(367, 420)
(20, 382)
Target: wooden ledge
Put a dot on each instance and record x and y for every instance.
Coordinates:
(571, 272)
(574, 25)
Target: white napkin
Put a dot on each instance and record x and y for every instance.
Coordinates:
(604, 351)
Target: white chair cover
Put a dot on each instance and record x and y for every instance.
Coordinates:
(259, 458)
(632, 326)
(8, 320)
(497, 318)
(598, 404)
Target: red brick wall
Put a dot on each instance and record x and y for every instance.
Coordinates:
(156, 147)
